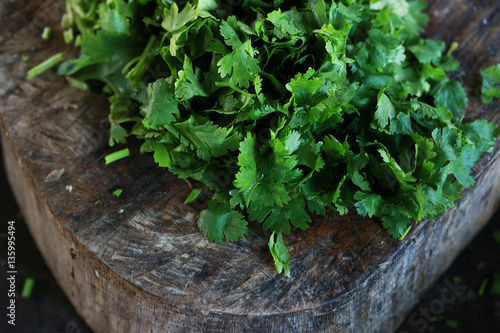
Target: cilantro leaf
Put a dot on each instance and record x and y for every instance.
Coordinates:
(209, 140)
(280, 253)
(385, 110)
(287, 24)
(246, 178)
(491, 83)
(450, 95)
(162, 107)
(220, 221)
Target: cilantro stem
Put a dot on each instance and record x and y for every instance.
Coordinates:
(77, 83)
(405, 233)
(45, 65)
(117, 155)
(137, 73)
(453, 47)
(482, 288)
(192, 196)
(28, 287)
(46, 33)
(247, 201)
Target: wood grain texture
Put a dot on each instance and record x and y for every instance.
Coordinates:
(139, 264)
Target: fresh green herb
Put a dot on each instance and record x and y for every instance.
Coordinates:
(46, 65)
(451, 323)
(46, 33)
(285, 108)
(77, 83)
(405, 233)
(28, 287)
(496, 236)
(280, 254)
(482, 288)
(495, 287)
(192, 196)
(117, 155)
(491, 83)
(117, 192)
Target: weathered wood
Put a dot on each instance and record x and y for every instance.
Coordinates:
(139, 264)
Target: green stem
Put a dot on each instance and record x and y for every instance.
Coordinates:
(247, 201)
(46, 65)
(117, 155)
(137, 73)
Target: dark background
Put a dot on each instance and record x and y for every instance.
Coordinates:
(453, 304)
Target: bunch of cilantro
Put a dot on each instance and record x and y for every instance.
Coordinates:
(284, 107)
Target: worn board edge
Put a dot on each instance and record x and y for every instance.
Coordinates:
(109, 303)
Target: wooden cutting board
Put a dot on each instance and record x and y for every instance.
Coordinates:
(138, 263)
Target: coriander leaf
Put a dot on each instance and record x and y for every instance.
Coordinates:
(491, 83)
(207, 139)
(246, 178)
(307, 92)
(462, 165)
(278, 218)
(113, 21)
(117, 134)
(280, 254)
(451, 95)
(369, 203)
(286, 24)
(398, 7)
(395, 222)
(401, 124)
(482, 134)
(240, 64)
(161, 153)
(188, 85)
(162, 107)
(385, 110)
(173, 20)
(428, 50)
(220, 221)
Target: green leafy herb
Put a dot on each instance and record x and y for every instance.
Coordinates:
(46, 33)
(495, 287)
(117, 155)
(192, 196)
(491, 83)
(117, 192)
(285, 107)
(27, 287)
(451, 323)
(482, 288)
(46, 65)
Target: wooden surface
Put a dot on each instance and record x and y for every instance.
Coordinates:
(139, 264)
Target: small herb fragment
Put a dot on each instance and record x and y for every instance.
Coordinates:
(482, 288)
(46, 33)
(46, 65)
(495, 287)
(117, 192)
(280, 253)
(451, 323)
(117, 155)
(192, 196)
(496, 236)
(28, 287)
